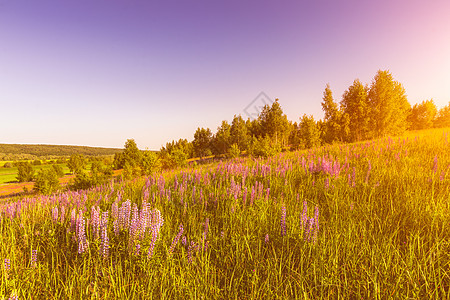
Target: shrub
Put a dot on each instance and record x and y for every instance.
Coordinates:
(46, 181)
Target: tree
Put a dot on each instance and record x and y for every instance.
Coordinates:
(149, 162)
(355, 104)
(422, 115)
(222, 138)
(132, 154)
(309, 132)
(239, 133)
(443, 117)
(25, 172)
(294, 137)
(77, 163)
(389, 105)
(332, 117)
(202, 140)
(274, 123)
(46, 182)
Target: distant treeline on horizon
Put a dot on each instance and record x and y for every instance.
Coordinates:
(13, 152)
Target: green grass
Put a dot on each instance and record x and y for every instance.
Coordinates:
(9, 175)
(382, 235)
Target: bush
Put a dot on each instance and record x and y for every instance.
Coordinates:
(37, 162)
(7, 165)
(46, 182)
(25, 172)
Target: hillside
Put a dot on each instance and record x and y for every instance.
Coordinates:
(7, 150)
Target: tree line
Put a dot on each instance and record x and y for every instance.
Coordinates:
(363, 112)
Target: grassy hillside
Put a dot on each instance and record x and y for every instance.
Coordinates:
(7, 150)
(360, 221)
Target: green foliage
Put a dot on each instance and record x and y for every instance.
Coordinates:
(8, 165)
(355, 105)
(46, 182)
(202, 141)
(77, 163)
(422, 115)
(443, 117)
(309, 132)
(58, 170)
(222, 139)
(132, 155)
(32, 152)
(25, 172)
(239, 133)
(264, 147)
(234, 151)
(98, 175)
(274, 123)
(150, 162)
(332, 118)
(37, 162)
(389, 106)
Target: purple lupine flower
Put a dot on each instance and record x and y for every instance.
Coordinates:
(283, 221)
(184, 240)
(63, 212)
(138, 249)
(134, 226)
(266, 238)
(191, 249)
(34, 258)
(81, 234)
(175, 240)
(435, 164)
(327, 183)
(304, 218)
(55, 214)
(95, 221)
(7, 264)
(13, 297)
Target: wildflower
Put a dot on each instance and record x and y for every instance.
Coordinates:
(283, 220)
(304, 218)
(138, 249)
(191, 249)
(175, 240)
(7, 264)
(266, 239)
(55, 214)
(34, 257)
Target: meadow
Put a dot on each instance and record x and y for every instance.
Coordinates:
(345, 221)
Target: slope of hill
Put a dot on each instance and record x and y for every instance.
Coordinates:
(53, 150)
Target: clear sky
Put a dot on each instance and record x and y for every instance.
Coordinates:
(97, 72)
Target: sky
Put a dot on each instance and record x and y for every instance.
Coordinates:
(99, 72)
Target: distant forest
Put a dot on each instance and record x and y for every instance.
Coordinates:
(22, 152)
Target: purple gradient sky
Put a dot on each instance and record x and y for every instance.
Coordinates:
(99, 72)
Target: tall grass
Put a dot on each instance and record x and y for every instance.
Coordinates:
(367, 220)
